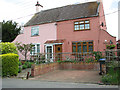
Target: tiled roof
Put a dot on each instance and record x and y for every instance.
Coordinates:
(55, 41)
(69, 12)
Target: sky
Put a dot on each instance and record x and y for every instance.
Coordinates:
(22, 10)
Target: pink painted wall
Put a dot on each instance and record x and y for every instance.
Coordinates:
(65, 30)
(46, 32)
(104, 35)
(101, 15)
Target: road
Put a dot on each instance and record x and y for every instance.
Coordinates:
(19, 83)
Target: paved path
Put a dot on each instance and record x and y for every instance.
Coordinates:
(23, 74)
(19, 83)
(75, 76)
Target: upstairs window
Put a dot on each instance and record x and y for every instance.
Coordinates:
(35, 31)
(82, 25)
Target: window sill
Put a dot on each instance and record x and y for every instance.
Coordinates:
(34, 35)
(82, 30)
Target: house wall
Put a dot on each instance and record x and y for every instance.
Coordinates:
(65, 30)
(101, 15)
(46, 32)
(104, 35)
(97, 33)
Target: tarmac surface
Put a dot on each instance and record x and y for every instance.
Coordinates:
(57, 79)
(20, 83)
(74, 76)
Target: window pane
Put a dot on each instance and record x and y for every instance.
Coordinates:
(90, 48)
(90, 42)
(86, 21)
(38, 48)
(74, 48)
(73, 43)
(76, 22)
(84, 42)
(49, 52)
(81, 22)
(79, 49)
(84, 48)
(76, 27)
(33, 50)
(87, 26)
(34, 31)
(79, 43)
(81, 27)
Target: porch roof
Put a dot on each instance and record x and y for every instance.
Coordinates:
(55, 41)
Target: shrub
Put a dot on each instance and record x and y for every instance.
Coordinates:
(112, 77)
(30, 64)
(90, 59)
(26, 63)
(20, 63)
(24, 66)
(98, 55)
(9, 64)
(110, 46)
(8, 47)
(19, 69)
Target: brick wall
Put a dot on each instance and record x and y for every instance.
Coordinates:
(79, 66)
(45, 68)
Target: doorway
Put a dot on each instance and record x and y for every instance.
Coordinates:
(58, 52)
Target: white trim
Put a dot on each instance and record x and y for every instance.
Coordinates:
(35, 47)
(51, 60)
(53, 44)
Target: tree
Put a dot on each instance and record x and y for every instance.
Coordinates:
(24, 49)
(10, 30)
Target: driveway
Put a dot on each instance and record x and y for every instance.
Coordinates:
(73, 76)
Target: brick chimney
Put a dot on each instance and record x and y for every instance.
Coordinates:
(37, 7)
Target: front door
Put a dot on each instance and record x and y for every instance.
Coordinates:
(58, 52)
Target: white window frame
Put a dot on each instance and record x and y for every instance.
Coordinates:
(34, 28)
(35, 48)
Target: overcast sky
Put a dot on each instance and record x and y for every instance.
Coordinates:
(22, 10)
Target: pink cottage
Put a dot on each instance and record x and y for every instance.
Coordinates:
(73, 28)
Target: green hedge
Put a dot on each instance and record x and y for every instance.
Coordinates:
(10, 64)
(7, 47)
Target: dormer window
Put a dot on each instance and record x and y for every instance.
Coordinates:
(82, 25)
(35, 31)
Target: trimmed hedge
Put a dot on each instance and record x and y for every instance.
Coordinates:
(10, 64)
(7, 47)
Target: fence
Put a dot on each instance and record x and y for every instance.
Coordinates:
(110, 55)
(75, 61)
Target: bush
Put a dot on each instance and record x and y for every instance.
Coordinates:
(24, 66)
(98, 55)
(110, 46)
(19, 69)
(112, 77)
(89, 60)
(9, 64)
(20, 63)
(8, 47)
(26, 63)
(30, 64)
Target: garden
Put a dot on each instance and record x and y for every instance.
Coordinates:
(11, 65)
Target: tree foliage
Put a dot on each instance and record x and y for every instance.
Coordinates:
(10, 30)
(24, 48)
(7, 47)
